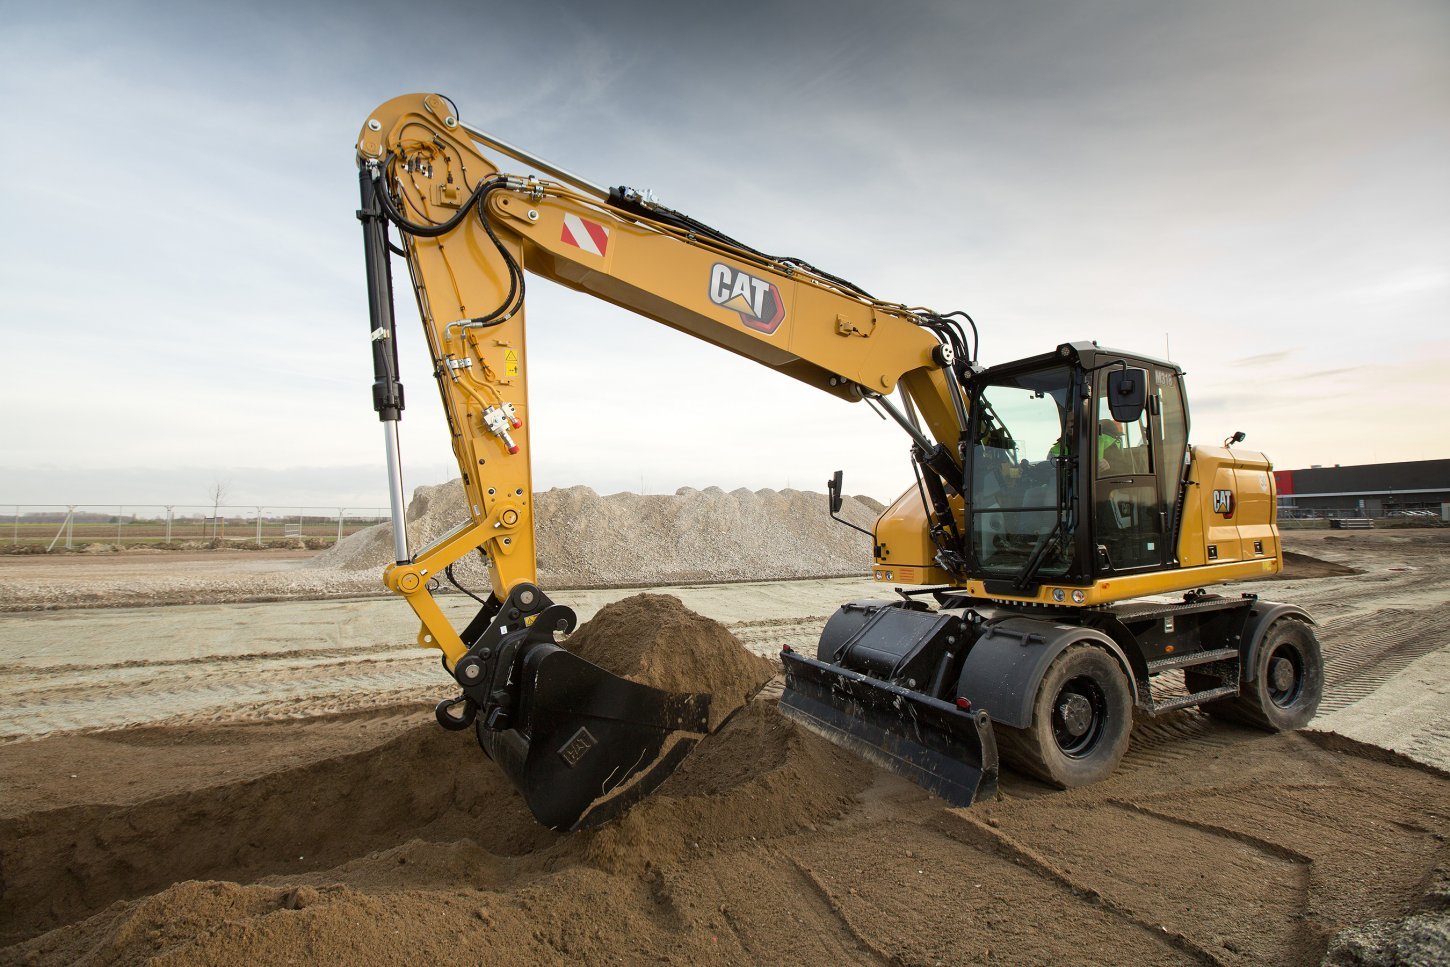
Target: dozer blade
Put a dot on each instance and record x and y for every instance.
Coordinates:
(577, 735)
(945, 750)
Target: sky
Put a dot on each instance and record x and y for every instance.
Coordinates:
(1257, 189)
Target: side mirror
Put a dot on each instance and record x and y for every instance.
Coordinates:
(1127, 394)
(833, 491)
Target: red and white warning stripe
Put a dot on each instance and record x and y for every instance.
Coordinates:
(592, 237)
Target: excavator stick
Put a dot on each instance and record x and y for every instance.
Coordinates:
(579, 743)
(944, 749)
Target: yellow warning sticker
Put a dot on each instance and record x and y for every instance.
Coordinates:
(510, 364)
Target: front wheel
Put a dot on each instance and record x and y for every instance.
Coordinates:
(1288, 681)
(1081, 719)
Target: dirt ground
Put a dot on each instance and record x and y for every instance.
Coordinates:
(263, 783)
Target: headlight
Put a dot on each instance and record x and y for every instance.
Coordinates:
(1078, 597)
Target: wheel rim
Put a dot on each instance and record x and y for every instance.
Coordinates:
(1079, 713)
(1285, 675)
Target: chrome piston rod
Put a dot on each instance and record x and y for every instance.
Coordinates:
(401, 554)
(534, 161)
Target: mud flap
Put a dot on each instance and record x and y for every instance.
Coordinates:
(582, 735)
(945, 750)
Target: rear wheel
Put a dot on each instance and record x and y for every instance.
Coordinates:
(1288, 681)
(1081, 719)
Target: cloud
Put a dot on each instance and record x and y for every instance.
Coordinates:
(1264, 359)
(1261, 186)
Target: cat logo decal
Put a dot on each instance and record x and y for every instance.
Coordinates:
(756, 301)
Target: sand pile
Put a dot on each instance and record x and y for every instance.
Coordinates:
(655, 640)
(1211, 844)
(1298, 566)
(445, 848)
(585, 540)
(611, 896)
(772, 846)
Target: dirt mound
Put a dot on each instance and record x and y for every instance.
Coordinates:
(512, 886)
(1297, 566)
(655, 640)
(768, 845)
(588, 540)
(761, 777)
(59, 864)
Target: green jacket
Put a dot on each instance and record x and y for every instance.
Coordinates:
(1105, 440)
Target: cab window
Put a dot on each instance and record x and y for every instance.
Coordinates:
(1017, 474)
(1122, 448)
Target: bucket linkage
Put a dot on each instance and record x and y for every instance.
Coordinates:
(567, 733)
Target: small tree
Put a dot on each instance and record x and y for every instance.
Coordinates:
(218, 493)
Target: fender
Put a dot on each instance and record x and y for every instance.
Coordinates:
(1006, 664)
(849, 619)
(1261, 617)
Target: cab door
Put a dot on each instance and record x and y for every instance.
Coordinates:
(1133, 484)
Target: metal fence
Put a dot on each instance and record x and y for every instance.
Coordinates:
(1411, 513)
(68, 526)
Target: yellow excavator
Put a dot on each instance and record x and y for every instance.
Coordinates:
(1048, 565)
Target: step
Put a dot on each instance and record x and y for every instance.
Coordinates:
(1192, 658)
(1183, 701)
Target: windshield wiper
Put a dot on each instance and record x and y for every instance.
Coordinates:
(1039, 556)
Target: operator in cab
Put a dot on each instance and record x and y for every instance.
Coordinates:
(1110, 437)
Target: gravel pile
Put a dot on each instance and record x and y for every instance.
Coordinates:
(586, 540)
(1419, 940)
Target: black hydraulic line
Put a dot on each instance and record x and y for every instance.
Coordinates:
(976, 336)
(514, 300)
(448, 573)
(425, 231)
(387, 388)
(629, 200)
(937, 478)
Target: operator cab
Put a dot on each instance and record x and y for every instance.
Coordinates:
(1074, 468)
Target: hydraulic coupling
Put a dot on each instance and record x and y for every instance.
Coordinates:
(499, 420)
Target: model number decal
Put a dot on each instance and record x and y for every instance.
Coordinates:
(1223, 502)
(757, 301)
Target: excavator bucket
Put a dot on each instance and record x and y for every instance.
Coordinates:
(581, 744)
(944, 749)
(583, 736)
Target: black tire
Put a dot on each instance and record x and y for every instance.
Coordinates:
(1081, 720)
(1287, 685)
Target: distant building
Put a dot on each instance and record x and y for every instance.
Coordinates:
(1368, 490)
